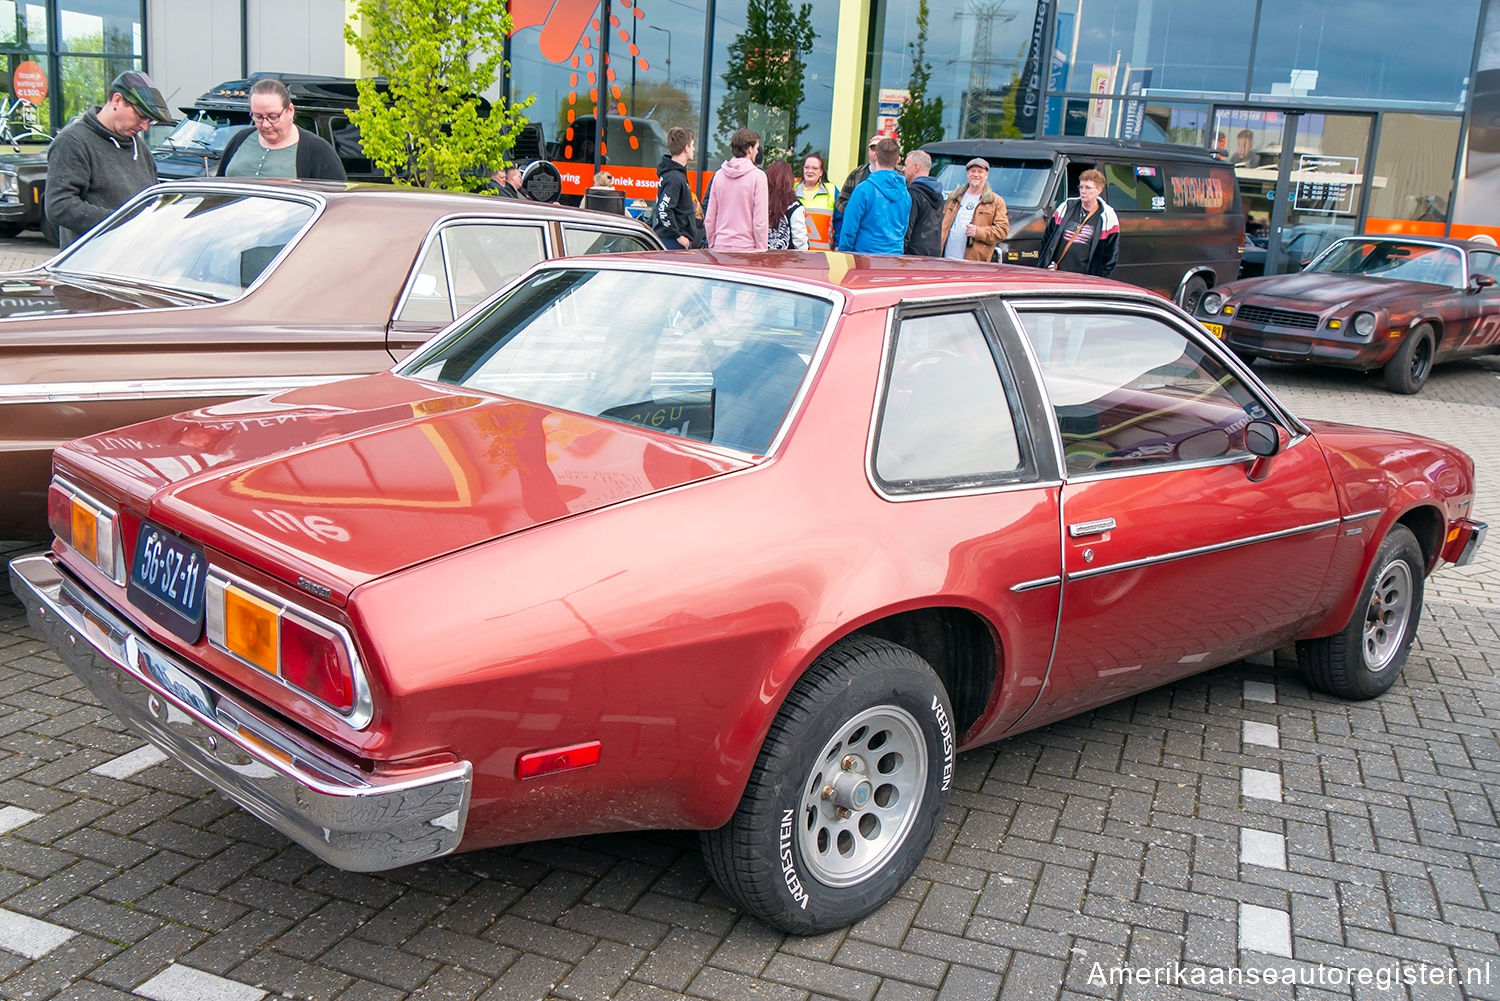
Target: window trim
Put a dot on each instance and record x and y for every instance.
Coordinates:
(1028, 474)
(1275, 412)
(576, 227)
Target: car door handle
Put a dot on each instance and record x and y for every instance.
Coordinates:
(1099, 526)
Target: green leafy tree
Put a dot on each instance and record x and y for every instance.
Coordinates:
(427, 126)
(920, 120)
(764, 80)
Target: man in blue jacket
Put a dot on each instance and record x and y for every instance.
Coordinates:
(875, 219)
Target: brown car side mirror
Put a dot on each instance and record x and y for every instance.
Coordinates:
(1478, 282)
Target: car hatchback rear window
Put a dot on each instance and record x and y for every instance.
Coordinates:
(713, 360)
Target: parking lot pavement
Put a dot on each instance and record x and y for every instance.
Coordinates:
(24, 251)
(1191, 842)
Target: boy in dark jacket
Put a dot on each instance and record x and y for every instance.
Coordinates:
(675, 216)
(924, 227)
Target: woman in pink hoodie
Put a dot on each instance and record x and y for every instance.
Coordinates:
(737, 217)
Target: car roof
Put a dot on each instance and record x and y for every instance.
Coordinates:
(872, 281)
(1436, 241)
(1044, 149)
(339, 193)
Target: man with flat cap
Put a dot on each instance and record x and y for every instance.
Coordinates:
(100, 160)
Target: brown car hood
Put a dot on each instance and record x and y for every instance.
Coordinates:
(1319, 291)
(344, 483)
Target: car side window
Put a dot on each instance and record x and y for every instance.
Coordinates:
(578, 240)
(344, 135)
(1485, 263)
(466, 263)
(946, 414)
(1134, 187)
(1130, 391)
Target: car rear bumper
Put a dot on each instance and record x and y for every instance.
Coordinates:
(360, 820)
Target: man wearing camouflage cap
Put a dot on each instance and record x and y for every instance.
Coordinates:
(100, 159)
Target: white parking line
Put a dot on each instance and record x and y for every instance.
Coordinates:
(12, 817)
(1257, 784)
(1264, 734)
(183, 983)
(1263, 929)
(127, 765)
(29, 937)
(1262, 848)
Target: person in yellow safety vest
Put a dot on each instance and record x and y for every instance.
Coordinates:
(814, 191)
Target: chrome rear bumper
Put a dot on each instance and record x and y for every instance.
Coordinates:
(359, 820)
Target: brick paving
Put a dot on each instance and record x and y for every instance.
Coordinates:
(1228, 824)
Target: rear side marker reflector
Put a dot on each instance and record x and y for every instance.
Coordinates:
(557, 759)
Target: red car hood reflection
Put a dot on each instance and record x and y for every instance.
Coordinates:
(1318, 291)
(345, 483)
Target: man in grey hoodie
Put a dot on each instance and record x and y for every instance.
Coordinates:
(99, 161)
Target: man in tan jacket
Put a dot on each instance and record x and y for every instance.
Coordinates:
(974, 217)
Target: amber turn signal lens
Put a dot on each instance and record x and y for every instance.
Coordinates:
(85, 525)
(250, 629)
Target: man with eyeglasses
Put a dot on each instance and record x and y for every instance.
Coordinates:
(280, 148)
(100, 160)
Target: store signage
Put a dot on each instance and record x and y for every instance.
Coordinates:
(1031, 73)
(29, 82)
(1326, 184)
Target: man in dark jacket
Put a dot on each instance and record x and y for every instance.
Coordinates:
(857, 175)
(875, 221)
(675, 216)
(99, 161)
(924, 228)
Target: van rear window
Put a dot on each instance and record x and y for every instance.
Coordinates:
(1207, 190)
(1134, 187)
(1022, 183)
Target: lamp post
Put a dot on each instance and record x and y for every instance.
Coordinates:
(668, 33)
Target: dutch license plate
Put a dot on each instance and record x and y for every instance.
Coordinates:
(1216, 329)
(166, 581)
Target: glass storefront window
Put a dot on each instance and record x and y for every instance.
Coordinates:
(112, 26)
(1413, 178)
(976, 53)
(1382, 52)
(1182, 48)
(85, 78)
(1129, 118)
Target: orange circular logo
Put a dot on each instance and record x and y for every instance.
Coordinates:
(29, 82)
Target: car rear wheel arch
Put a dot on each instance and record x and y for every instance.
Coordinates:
(959, 645)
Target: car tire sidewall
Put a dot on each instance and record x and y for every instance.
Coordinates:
(1398, 373)
(768, 818)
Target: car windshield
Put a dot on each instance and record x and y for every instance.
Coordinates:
(205, 133)
(714, 360)
(206, 243)
(1393, 259)
(1022, 183)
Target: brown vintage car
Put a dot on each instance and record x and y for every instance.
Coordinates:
(1399, 304)
(198, 292)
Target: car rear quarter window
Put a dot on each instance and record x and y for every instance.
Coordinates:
(946, 415)
(1135, 187)
(580, 240)
(1130, 392)
(709, 359)
(466, 264)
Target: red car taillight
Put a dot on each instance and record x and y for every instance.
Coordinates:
(88, 526)
(315, 661)
(302, 650)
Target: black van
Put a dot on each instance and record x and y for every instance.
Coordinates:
(1181, 222)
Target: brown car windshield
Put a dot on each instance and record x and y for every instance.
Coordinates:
(205, 243)
(1393, 259)
(714, 360)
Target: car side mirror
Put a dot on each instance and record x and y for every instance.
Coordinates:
(1478, 282)
(1263, 440)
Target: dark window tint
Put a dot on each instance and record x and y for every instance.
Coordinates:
(1135, 187)
(578, 241)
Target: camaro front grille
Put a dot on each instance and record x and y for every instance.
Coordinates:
(1268, 317)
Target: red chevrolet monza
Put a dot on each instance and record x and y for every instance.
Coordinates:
(747, 544)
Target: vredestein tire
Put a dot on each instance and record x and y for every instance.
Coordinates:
(868, 731)
(1363, 659)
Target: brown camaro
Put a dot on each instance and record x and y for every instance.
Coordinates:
(1399, 304)
(206, 291)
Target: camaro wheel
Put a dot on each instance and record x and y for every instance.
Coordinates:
(1407, 372)
(1364, 658)
(1192, 292)
(846, 792)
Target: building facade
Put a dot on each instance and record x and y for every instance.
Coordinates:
(1337, 114)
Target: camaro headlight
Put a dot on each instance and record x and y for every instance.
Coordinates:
(1211, 303)
(1364, 324)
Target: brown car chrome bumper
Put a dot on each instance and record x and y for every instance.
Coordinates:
(356, 820)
